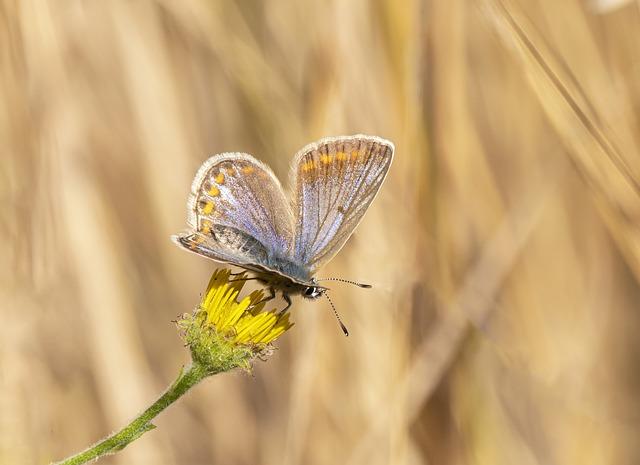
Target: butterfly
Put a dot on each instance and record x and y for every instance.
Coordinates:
(238, 212)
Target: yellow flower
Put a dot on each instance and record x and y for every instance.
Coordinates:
(224, 333)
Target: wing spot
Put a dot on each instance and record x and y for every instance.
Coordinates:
(309, 165)
(341, 156)
(354, 154)
(205, 207)
(205, 226)
(326, 159)
(208, 208)
(230, 171)
(195, 239)
(219, 179)
(248, 169)
(213, 191)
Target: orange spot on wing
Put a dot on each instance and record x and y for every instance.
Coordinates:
(326, 159)
(213, 191)
(341, 156)
(205, 226)
(248, 169)
(219, 178)
(354, 154)
(208, 208)
(308, 165)
(194, 239)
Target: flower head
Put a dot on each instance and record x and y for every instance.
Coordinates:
(224, 333)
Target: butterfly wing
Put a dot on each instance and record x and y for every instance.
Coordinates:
(335, 180)
(238, 212)
(224, 245)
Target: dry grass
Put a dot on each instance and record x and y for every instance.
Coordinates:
(504, 246)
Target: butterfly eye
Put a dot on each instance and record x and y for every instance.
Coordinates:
(312, 292)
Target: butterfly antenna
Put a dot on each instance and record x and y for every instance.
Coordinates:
(335, 312)
(366, 286)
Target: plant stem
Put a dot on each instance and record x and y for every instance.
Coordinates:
(142, 423)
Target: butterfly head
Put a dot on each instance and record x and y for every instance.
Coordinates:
(313, 292)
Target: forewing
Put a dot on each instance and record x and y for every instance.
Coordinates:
(335, 180)
(238, 211)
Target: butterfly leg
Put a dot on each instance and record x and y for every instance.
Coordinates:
(241, 279)
(287, 299)
(271, 296)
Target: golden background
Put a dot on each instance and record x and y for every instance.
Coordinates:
(504, 247)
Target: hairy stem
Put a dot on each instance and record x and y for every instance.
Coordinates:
(142, 423)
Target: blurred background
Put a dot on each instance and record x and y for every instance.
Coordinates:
(504, 247)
